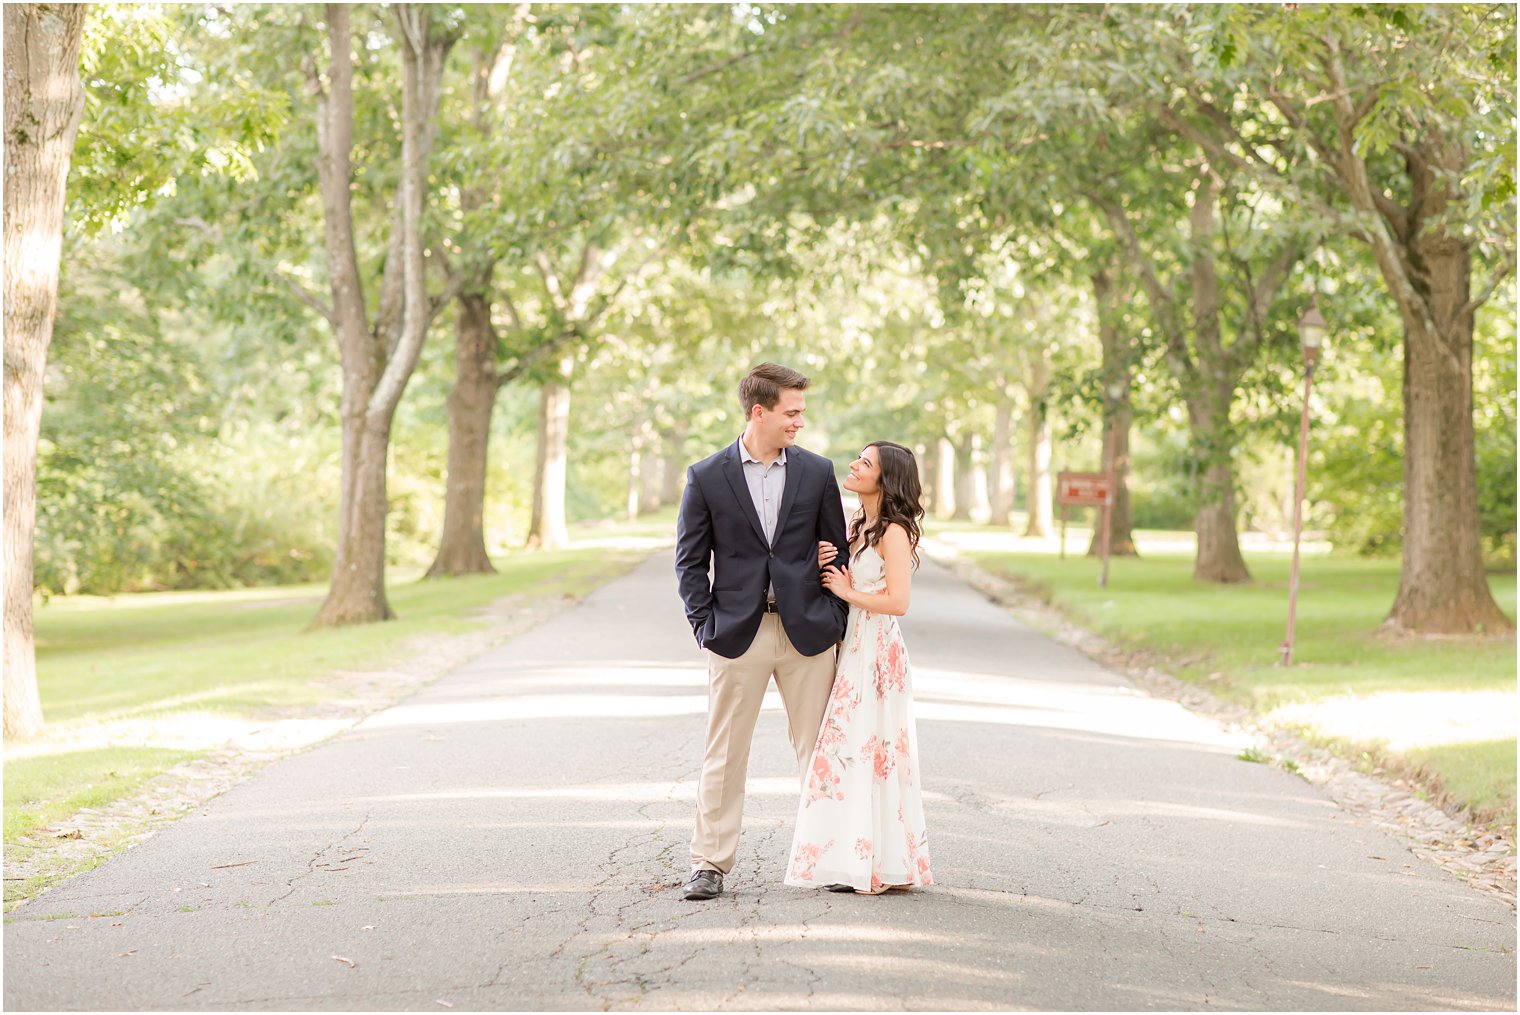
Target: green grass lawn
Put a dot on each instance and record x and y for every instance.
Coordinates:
(42, 790)
(150, 656)
(1228, 636)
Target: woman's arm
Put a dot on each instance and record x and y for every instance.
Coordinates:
(893, 600)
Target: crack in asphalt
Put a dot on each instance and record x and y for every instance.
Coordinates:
(312, 864)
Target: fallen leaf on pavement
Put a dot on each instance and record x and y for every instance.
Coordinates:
(339, 958)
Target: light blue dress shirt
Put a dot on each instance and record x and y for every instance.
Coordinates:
(766, 485)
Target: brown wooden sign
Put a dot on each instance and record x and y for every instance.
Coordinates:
(1084, 489)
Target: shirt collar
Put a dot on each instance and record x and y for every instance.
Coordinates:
(745, 456)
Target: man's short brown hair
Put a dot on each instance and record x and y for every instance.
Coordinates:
(764, 384)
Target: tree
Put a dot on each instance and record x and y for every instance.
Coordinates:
(1208, 347)
(377, 358)
(1111, 295)
(1406, 114)
(560, 135)
(43, 103)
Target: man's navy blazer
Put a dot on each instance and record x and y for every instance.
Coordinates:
(719, 524)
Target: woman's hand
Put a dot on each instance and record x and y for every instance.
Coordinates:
(826, 553)
(839, 582)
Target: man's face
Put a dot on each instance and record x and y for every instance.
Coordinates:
(778, 427)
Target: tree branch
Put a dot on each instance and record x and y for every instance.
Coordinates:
(1500, 274)
(610, 298)
(551, 280)
(1222, 120)
(303, 294)
(514, 321)
(1163, 298)
(451, 288)
(533, 356)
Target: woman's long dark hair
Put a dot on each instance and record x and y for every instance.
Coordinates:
(901, 497)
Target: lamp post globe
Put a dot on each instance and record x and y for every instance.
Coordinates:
(1312, 329)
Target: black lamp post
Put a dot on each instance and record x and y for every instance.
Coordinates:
(1311, 334)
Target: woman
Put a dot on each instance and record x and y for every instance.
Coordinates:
(860, 826)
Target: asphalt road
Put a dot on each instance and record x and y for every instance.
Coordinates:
(510, 838)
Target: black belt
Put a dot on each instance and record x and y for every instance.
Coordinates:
(770, 606)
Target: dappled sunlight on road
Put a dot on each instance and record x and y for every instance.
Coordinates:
(182, 731)
(1411, 996)
(1116, 710)
(631, 792)
(539, 706)
(1409, 719)
(859, 933)
(643, 692)
(912, 967)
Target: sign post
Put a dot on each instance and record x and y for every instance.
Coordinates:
(1088, 489)
(1109, 442)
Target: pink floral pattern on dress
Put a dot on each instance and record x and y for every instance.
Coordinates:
(892, 662)
(880, 753)
(827, 766)
(864, 769)
(805, 858)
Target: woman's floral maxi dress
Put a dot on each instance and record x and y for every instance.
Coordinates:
(861, 820)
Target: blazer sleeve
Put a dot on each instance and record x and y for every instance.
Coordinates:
(694, 547)
(831, 529)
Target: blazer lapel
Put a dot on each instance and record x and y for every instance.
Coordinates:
(733, 469)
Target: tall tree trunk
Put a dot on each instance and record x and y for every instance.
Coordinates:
(944, 480)
(43, 103)
(929, 456)
(1000, 469)
(981, 506)
(462, 547)
(1428, 272)
(1039, 492)
(1210, 394)
(357, 593)
(636, 467)
(1121, 534)
(1218, 558)
(377, 361)
(547, 530)
(657, 468)
(1117, 414)
(963, 480)
(673, 459)
(653, 484)
(1442, 585)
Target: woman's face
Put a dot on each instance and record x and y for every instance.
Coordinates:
(865, 472)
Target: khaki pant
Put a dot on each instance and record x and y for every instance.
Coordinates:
(735, 690)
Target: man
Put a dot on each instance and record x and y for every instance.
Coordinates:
(757, 511)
